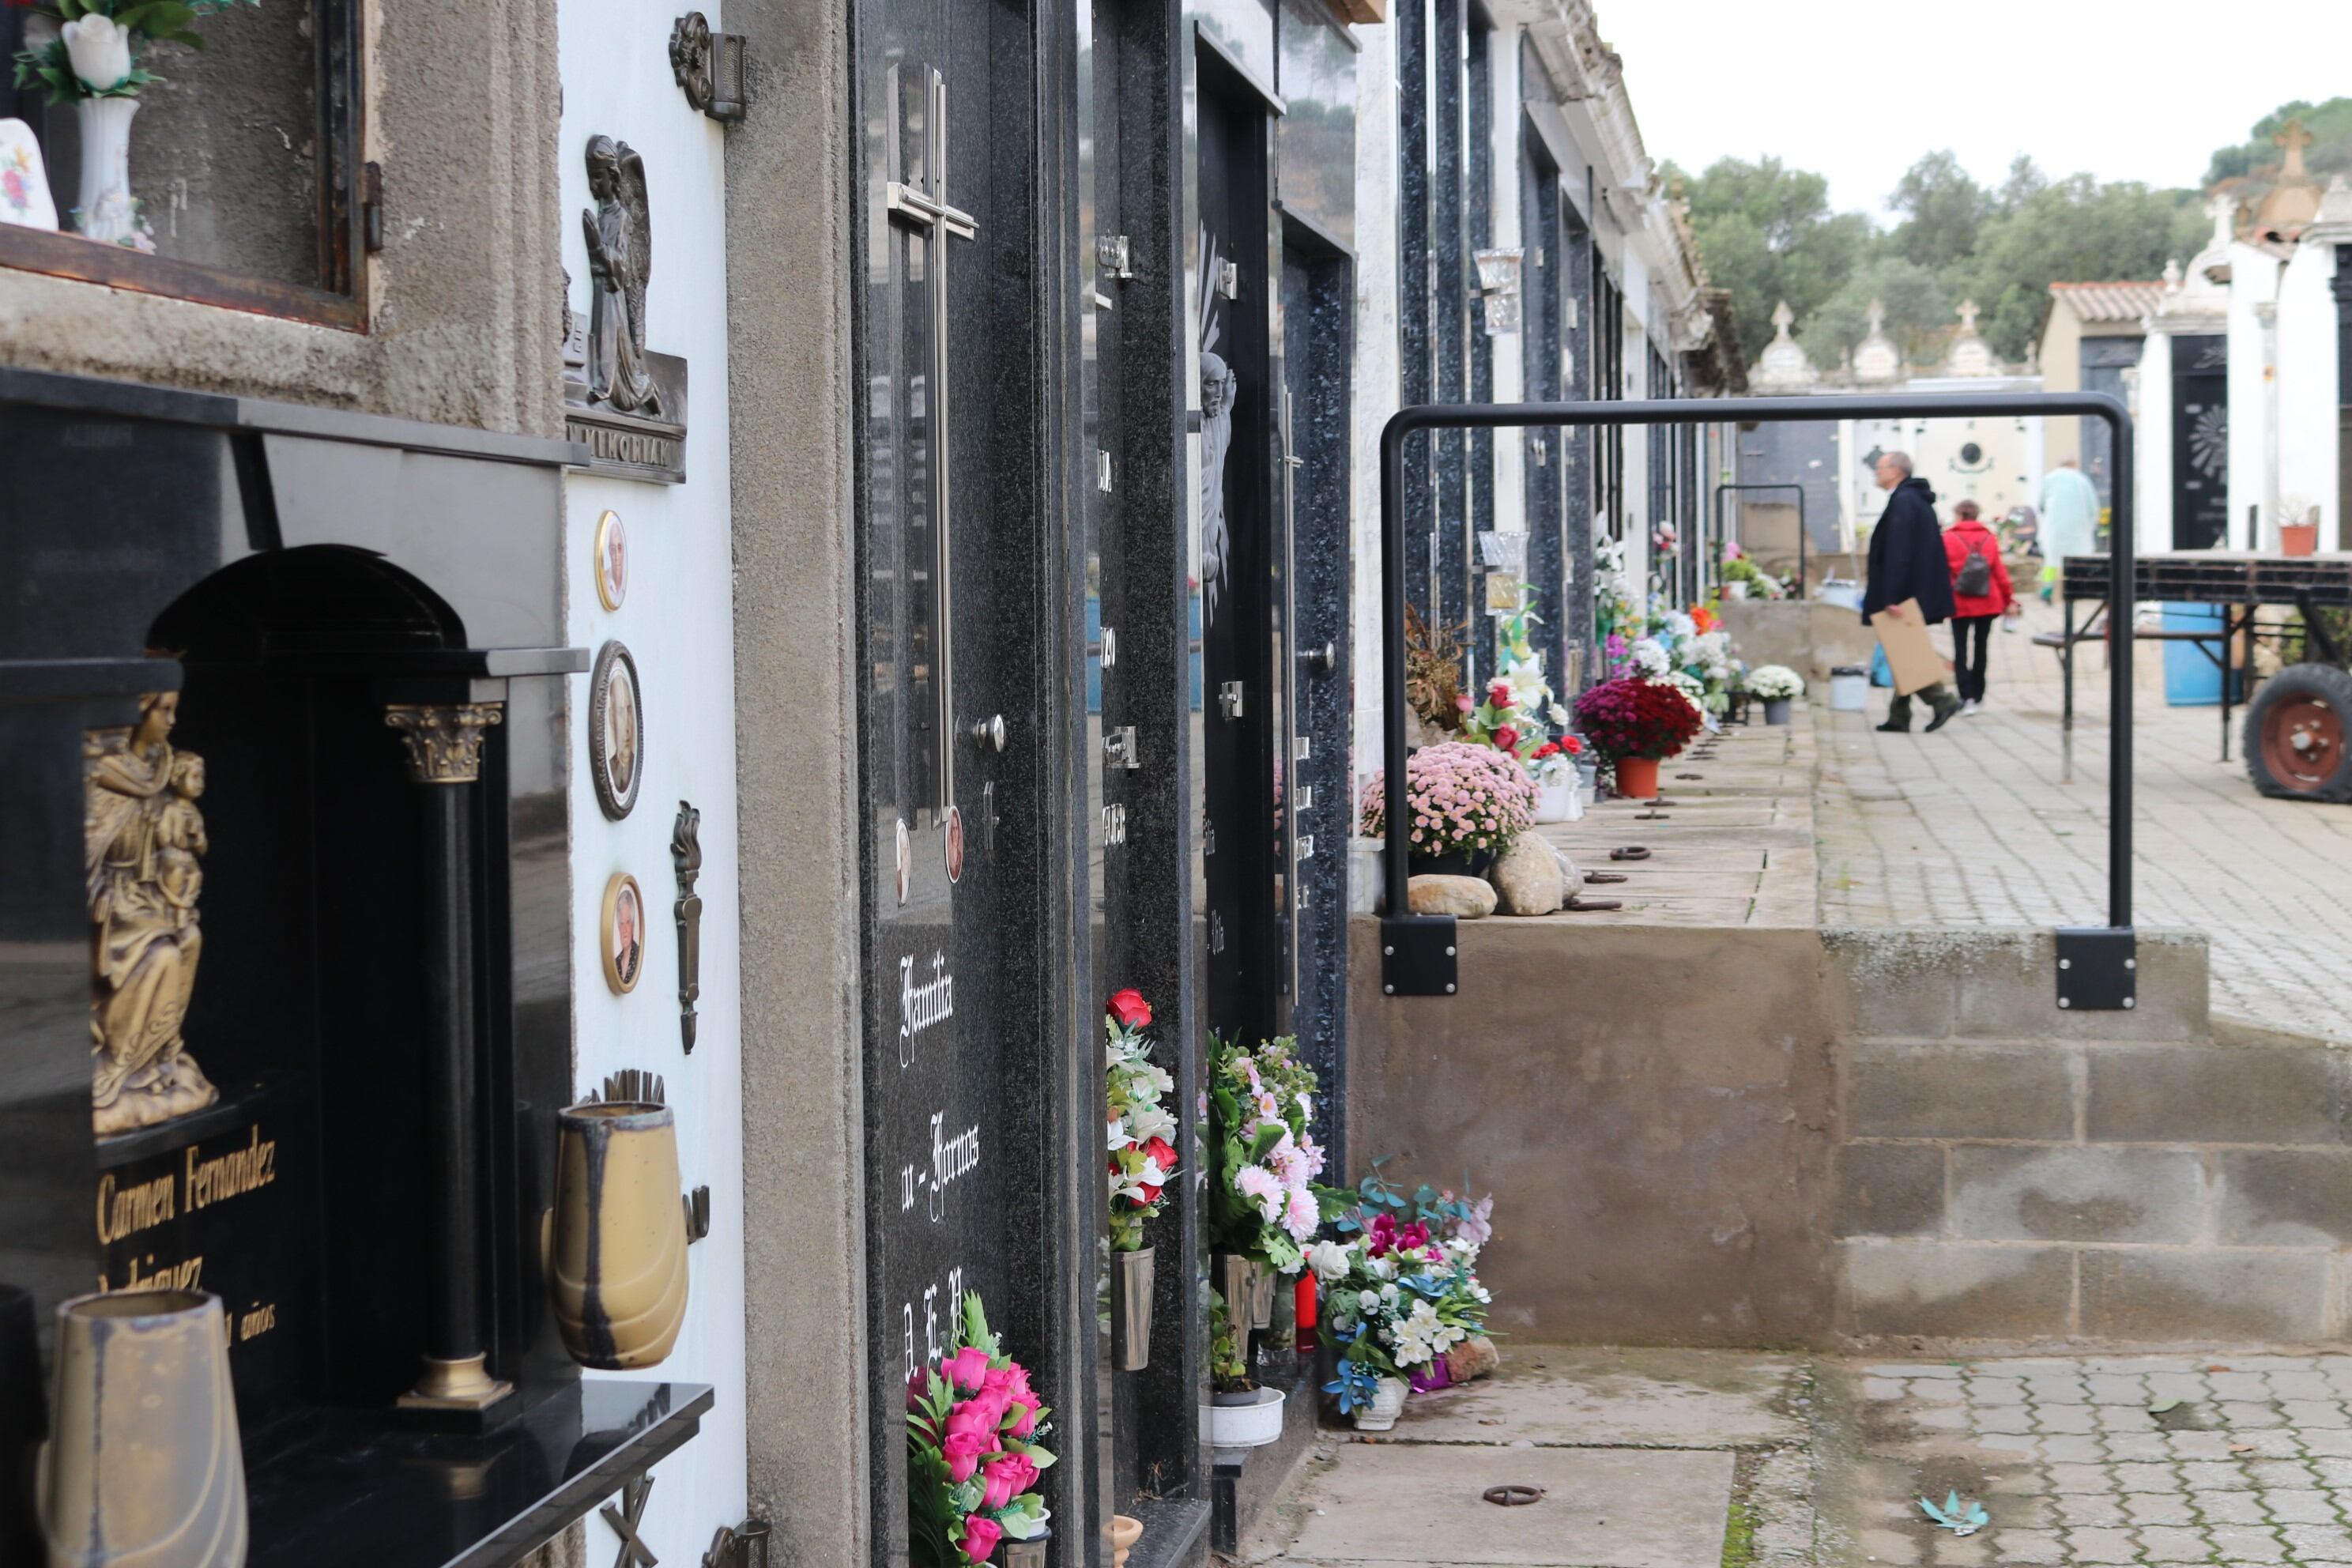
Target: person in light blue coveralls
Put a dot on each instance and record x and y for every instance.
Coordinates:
(2070, 520)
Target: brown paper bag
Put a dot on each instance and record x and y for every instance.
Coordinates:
(1910, 657)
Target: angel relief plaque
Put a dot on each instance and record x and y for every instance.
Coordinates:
(624, 403)
(143, 840)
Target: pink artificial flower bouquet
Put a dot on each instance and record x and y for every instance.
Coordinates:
(973, 1454)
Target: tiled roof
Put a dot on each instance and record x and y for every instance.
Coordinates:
(2109, 302)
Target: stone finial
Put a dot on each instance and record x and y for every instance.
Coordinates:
(1877, 359)
(1972, 355)
(2293, 139)
(1785, 365)
(1876, 314)
(2293, 199)
(1969, 318)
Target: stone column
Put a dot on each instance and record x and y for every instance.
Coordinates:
(445, 757)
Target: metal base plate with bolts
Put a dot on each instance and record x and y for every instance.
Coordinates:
(2098, 969)
(1418, 956)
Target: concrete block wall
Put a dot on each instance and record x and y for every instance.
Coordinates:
(2008, 1171)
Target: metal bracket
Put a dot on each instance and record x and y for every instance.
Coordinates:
(1417, 955)
(1119, 749)
(1111, 256)
(1229, 280)
(1229, 698)
(2098, 969)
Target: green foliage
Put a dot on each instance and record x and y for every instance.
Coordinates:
(2330, 152)
(49, 68)
(1228, 1361)
(1918, 311)
(1766, 232)
(1943, 208)
(2071, 230)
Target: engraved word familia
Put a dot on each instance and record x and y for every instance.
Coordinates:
(920, 1007)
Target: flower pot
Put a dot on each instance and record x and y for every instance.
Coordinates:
(1388, 1403)
(2299, 538)
(617, 1256)
(107, 213)
(1777, 708)
(1125, 1532)
(1556, 801)
(1637, 777)
(1030, 1553)
(1437, 1374)
(1250, 1420)
(143, 1465)
(1130, 1312)
(1452, 863)
(1736, 589)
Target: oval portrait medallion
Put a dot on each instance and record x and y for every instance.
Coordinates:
(617, 731)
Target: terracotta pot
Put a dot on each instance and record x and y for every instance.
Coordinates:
(143, 1465)
(616, 1260)
(1124, 1533)
(2298, 539)
(1637, 777)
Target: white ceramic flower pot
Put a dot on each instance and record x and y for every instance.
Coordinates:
(1557, 801)
(1388, 1403)
(106, 213)
(1736, 590)
(1252, 1421)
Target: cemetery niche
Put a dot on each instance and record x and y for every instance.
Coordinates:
(288, 1005)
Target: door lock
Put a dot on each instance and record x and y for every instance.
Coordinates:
(989, 733)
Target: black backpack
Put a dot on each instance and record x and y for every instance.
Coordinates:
(1975, 580)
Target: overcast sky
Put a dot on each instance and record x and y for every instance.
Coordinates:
(1857, 91)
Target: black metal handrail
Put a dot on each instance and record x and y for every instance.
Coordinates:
(1418, 952)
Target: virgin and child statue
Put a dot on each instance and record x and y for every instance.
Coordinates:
(141, 840)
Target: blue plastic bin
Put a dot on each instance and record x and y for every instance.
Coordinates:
(2192, 678)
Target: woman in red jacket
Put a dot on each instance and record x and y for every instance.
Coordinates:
(1980, 595)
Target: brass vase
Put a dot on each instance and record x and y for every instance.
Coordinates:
(616, 1258)
(143, 1467)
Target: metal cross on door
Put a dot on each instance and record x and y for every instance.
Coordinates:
(921, 204)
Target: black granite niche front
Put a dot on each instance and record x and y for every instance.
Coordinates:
(289, 572)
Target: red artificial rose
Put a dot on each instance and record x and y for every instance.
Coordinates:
(1571, 744)
(1130, 1009)
(1508, 738)
(1549, 749)
(1162, 1152)
(1499, 694)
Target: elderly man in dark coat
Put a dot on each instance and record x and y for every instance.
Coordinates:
(1907, 561)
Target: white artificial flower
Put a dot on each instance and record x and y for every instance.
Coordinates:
(1368, 1300)
(1388, 1293)
(1380, 1268)
(1330, 1260)
(100, 48)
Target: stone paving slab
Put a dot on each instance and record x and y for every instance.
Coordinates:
(1661, 1398)
(1983, 824)
(1601, 1508)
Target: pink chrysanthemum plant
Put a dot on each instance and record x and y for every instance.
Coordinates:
(1261, 1105)
(1141, 1131)
(973, 1450)
(1463, 797)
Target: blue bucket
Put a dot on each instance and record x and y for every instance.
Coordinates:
(2192, 678)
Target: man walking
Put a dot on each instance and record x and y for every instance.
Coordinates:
(1907, 561)
(2070, 520)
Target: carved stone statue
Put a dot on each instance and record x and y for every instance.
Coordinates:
(620, 263)
(141, 840)
(1218, 385)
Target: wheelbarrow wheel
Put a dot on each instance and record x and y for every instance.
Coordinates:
(2298, 735)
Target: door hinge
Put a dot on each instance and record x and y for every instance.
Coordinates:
(1229, 280)
(371, 208)
(1111, 256)
(1102, 471)
(1229, 698)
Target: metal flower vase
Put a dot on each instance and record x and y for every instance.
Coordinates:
(1029, 1553)
(1248, 1291)
(143, 1465)
(616, 1258)
(1131, 1307)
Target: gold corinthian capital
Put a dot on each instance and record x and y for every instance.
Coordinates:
(444, 739)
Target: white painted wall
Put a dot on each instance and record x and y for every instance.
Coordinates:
(1376, 386)
(677, 621)
(2154, 455)
(2308, 389)
(2253, 286)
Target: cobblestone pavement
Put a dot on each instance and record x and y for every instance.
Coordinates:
(1978, 824)
(2230, 1460)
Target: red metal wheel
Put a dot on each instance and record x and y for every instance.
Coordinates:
(2299, 734)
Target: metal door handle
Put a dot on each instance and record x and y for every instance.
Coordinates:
(1322, 660)
(989, 733)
